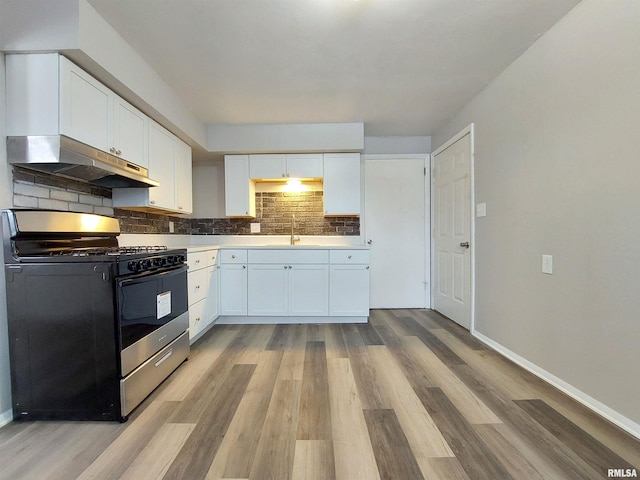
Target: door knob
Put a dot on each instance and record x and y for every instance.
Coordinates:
(465, 244)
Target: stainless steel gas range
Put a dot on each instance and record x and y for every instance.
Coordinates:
(93, 327)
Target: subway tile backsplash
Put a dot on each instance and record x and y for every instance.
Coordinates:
(273, 210)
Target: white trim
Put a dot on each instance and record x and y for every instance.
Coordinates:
(264, 320)
(427, 232)
(454, 139)
(387, 156)
(6, 418)
(591, 403)
(468, 130)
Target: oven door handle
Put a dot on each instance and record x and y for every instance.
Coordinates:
(141, 277)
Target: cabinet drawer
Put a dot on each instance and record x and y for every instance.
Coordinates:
(288, 256)
(198, 284)
(212, 257)
(196, 318)
(196, 260)
(349, 256)
(233, 256)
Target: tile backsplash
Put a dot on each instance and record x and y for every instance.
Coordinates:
(273, 210)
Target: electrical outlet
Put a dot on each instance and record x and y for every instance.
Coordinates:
(255, 228)
(171, 227)
(547, 264)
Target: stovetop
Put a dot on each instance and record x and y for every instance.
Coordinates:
(110, 251)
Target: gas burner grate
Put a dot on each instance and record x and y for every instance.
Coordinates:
(142, 249)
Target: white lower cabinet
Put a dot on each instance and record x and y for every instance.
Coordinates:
(268, 290)
(212, 307)
(288, 290)
(309, 290)
(202, 283)
(349, 291)
(286, 285)
(349, 283)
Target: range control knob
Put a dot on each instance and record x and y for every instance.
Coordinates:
(132, 266)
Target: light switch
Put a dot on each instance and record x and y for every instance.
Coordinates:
(255, 228)
(171, 227)
(547, 264)
(481, 210)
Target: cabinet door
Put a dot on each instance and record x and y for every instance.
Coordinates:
(183, 177)
(267, 287)
(233, 290)
(239, 190)
(349, 290)
(196, 318)
(198, 283)
(162, 167)
(212, 306)
(267, 166)
(342, 184)
(130, 133)
(309, 290)
(85, 107)
(305, 165)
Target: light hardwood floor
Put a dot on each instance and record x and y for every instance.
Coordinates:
(408, 396)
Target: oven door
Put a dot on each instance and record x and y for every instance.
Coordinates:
(152, 311)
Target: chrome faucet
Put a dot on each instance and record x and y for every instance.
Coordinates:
(293, 226)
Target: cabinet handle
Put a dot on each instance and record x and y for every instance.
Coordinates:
(197, 262)
(152, 202)
(197, 319)
(233, 256)
(290, 267)
(367, 267)
(244, 266)
(285, 267)
(349, 257)
(179, 208)
(112, 150)
(118, 152)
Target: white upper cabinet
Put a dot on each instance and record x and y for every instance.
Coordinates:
(130, 133)
(170, 166)
(49, 95)
(267, 166)
(239, 191)
(307, 165)
(341, 184)
(184, 196)
(162, 168)
(86, 107)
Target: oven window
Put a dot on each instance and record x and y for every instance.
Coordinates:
(149, 301)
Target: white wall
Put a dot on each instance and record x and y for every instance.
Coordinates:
(75, 28)
(208, 190)
(5, 202)
(557, 162)
(303, 137)
(396, 145)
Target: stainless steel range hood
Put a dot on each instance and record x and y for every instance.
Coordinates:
(63, 156)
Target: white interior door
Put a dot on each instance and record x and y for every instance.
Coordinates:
(395, 223)
(452, 231)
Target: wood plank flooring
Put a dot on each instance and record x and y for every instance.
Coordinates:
(408, 396)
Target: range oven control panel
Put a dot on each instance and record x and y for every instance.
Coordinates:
(154, 262)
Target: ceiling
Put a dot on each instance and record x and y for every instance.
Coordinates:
(403, 67)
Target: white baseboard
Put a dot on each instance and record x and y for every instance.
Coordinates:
(591, 403)
(261, 320)
(6, 418)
